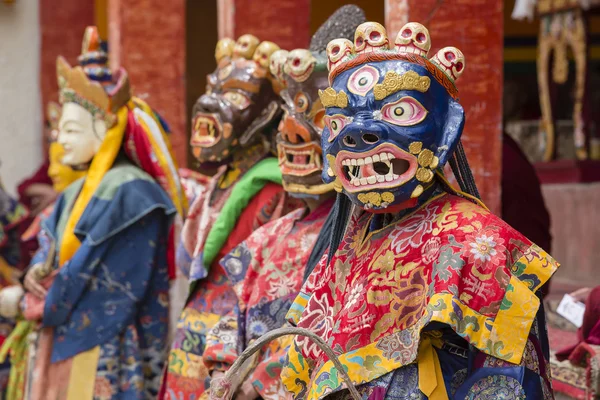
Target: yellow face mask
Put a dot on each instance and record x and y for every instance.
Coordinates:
(61, 175)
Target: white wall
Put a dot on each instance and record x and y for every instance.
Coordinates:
(20, 104)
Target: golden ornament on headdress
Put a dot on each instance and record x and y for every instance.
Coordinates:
(245, 46)
(263, 53)
(78, 85)
(393, 83)
(330, 98)
(224, 49)
(75, 79)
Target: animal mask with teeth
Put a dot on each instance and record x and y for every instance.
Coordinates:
(299, 136)
(302, 73)
(240, 106)
(392, 117)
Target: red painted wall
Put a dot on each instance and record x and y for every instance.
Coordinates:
(476, 28)
(285, 22)
(62, 23)
(147, 38)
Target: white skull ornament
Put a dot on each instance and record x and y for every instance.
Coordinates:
(413, 38)
(263, 52)
(246, 46)
(224, 49)
(278, 60)
(450, 60)
(370, 37)
(337, 50)
(300, 64)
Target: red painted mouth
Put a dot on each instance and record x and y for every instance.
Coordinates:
(300, 160)
(384, 167)
(206, 130)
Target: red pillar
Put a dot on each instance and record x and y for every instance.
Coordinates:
(476, 28)
(62, 23)
(285, 22)
(147, 38)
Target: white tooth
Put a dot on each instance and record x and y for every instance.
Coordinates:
(363, 181)
(368, 160)
(371, 179)
(380, 178)
(345, 162)
(396, 176)
(389, 177)
(376, 158)
(384, 157)
(360, 161)
(390, 156)
(353, 161)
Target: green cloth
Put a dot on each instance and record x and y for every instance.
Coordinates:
(249, 185)
(16, 345)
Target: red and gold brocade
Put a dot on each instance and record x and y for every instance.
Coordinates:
(267, 272)
(186, 377)
(451, 261)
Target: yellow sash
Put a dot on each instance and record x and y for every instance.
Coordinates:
(431, 380)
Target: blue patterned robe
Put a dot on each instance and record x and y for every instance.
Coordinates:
(113, 293)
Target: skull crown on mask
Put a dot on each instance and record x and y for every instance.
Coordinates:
(299, 137)
(239, 102)
(392, 118)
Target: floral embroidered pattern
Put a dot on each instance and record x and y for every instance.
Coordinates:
(447, 262)
(266, 272)
(496, 387)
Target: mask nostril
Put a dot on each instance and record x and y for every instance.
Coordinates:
(370, 138)
(349, 141)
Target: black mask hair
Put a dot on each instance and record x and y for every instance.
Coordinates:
(340, 25)
(331, 234)
(342, 208)
(321, 244)
(462, 171)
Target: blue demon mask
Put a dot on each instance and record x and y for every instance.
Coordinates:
(392, 117)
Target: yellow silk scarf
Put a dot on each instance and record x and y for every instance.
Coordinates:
(84, 367)
(431, 380)
(83, 370)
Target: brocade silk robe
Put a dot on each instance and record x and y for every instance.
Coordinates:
(400, 306)
(267, 272)
(186, 377)
(104, 321)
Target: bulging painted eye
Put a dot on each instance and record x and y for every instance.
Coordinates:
(238, 100)
(405, 112)
(301, 102)
(319, 120)
(363, 80)
(335, 123)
